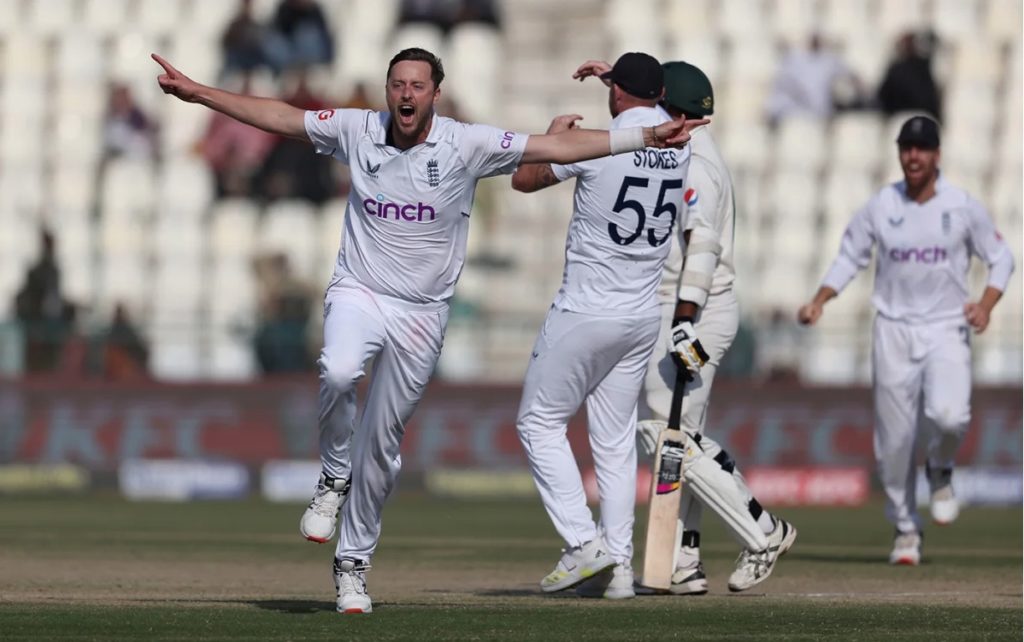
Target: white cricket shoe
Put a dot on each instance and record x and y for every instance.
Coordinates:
(944, 506)
(752, 568)
(689, 580)
(615, 583)
(321, 516)
(906, 549)
(350, 580)
(576, 565)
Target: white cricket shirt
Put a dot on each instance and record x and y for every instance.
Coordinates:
(924, 252)
(709, 202)
(626, 208)
(407, 218)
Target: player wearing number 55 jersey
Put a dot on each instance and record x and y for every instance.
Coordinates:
(925, 230)
(600, 331)
(413, 179)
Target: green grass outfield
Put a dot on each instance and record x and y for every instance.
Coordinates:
(100, 568)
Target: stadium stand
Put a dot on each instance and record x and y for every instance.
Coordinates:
(151, 235)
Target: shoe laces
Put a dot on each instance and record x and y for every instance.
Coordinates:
(327, 501)
(907, 540)
(754, 561)
(352, 580)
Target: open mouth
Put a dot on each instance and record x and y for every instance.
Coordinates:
(406, 113)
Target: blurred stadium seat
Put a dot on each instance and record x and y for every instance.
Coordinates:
(154, 235)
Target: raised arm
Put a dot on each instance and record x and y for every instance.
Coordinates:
(530, 177)
(576, 145)
(268, 114)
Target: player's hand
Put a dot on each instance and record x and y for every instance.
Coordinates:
(809, 314)
(687, 351)
(593, 68)
(647, 433)
(977, 315)
(563, 123)
(675, 133)
(176, 83)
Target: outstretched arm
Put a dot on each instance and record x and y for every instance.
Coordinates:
(576, 145)
(274, 116)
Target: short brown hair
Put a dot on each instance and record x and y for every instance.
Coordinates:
(422, 55)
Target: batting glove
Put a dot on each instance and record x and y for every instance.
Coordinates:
(687, 351)
(647, 433)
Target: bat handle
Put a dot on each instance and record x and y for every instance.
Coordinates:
(675, 413)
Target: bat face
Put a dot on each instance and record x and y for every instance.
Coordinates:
(663, 511)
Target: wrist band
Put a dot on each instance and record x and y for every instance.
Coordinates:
(626, 140)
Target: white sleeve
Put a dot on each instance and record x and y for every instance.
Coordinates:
(988, 245)
(700, 198)
(563, 172)
(854, 251)
(489, 151)
(335, 131)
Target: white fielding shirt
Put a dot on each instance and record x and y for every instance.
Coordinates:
(924, 252)
(407, 218)
(626, 208)
(709, 203)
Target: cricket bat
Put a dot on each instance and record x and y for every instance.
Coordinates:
(666, 490)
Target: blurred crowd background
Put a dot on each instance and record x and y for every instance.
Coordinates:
(143, 238)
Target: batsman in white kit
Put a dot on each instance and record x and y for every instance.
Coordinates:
(413, 179)
(925, 230)
(600, 331)
(699, 308)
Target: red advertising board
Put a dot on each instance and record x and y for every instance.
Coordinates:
(99, 425)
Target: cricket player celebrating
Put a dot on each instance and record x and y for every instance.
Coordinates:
(413, 179)
(699, 308)
(926, 230)
(600, 330)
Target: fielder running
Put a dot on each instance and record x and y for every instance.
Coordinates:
(413, 179)
(926, 230)
(698, 308)
(600, 331)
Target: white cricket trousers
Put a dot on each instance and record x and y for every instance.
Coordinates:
(716, 326)
(405, 339)
(921, 371)
(600, 359)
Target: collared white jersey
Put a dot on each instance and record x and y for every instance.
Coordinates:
(924, 252)
(709, 202)
(625, 210)
(407, 218)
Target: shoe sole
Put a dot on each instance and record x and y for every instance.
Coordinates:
(905, 561)
(681, 591)
(784, 546)
(356, 611)
(640, 589)
(555, 588)
(318, 540)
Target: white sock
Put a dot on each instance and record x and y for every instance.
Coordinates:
(766, 522)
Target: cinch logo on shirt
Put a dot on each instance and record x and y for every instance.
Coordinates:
(506, 140)
(409, 212)
(918, 255)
